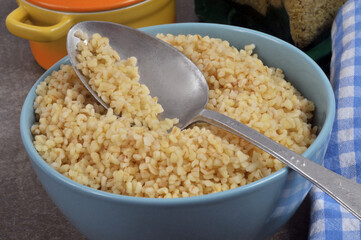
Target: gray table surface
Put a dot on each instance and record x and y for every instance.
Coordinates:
(26, 212)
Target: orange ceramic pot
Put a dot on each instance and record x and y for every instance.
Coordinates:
(45, 23)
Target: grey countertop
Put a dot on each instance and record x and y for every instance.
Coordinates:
(26, 212)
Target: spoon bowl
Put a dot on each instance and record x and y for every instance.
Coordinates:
(179, 85)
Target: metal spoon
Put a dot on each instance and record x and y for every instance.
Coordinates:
(183, 92)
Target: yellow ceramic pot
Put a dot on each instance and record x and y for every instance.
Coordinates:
(45, 23)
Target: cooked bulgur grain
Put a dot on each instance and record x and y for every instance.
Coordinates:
(134, 154)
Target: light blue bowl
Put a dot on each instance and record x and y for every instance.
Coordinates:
(254, 211)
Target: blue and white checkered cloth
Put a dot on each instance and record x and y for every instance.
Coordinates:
(328, 219)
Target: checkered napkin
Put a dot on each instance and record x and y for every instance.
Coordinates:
(328, 219)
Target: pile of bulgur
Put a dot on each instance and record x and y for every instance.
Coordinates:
(135, 154)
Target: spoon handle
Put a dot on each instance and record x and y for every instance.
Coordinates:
(343, 190)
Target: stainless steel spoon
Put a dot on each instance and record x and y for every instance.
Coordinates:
(183, 92)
